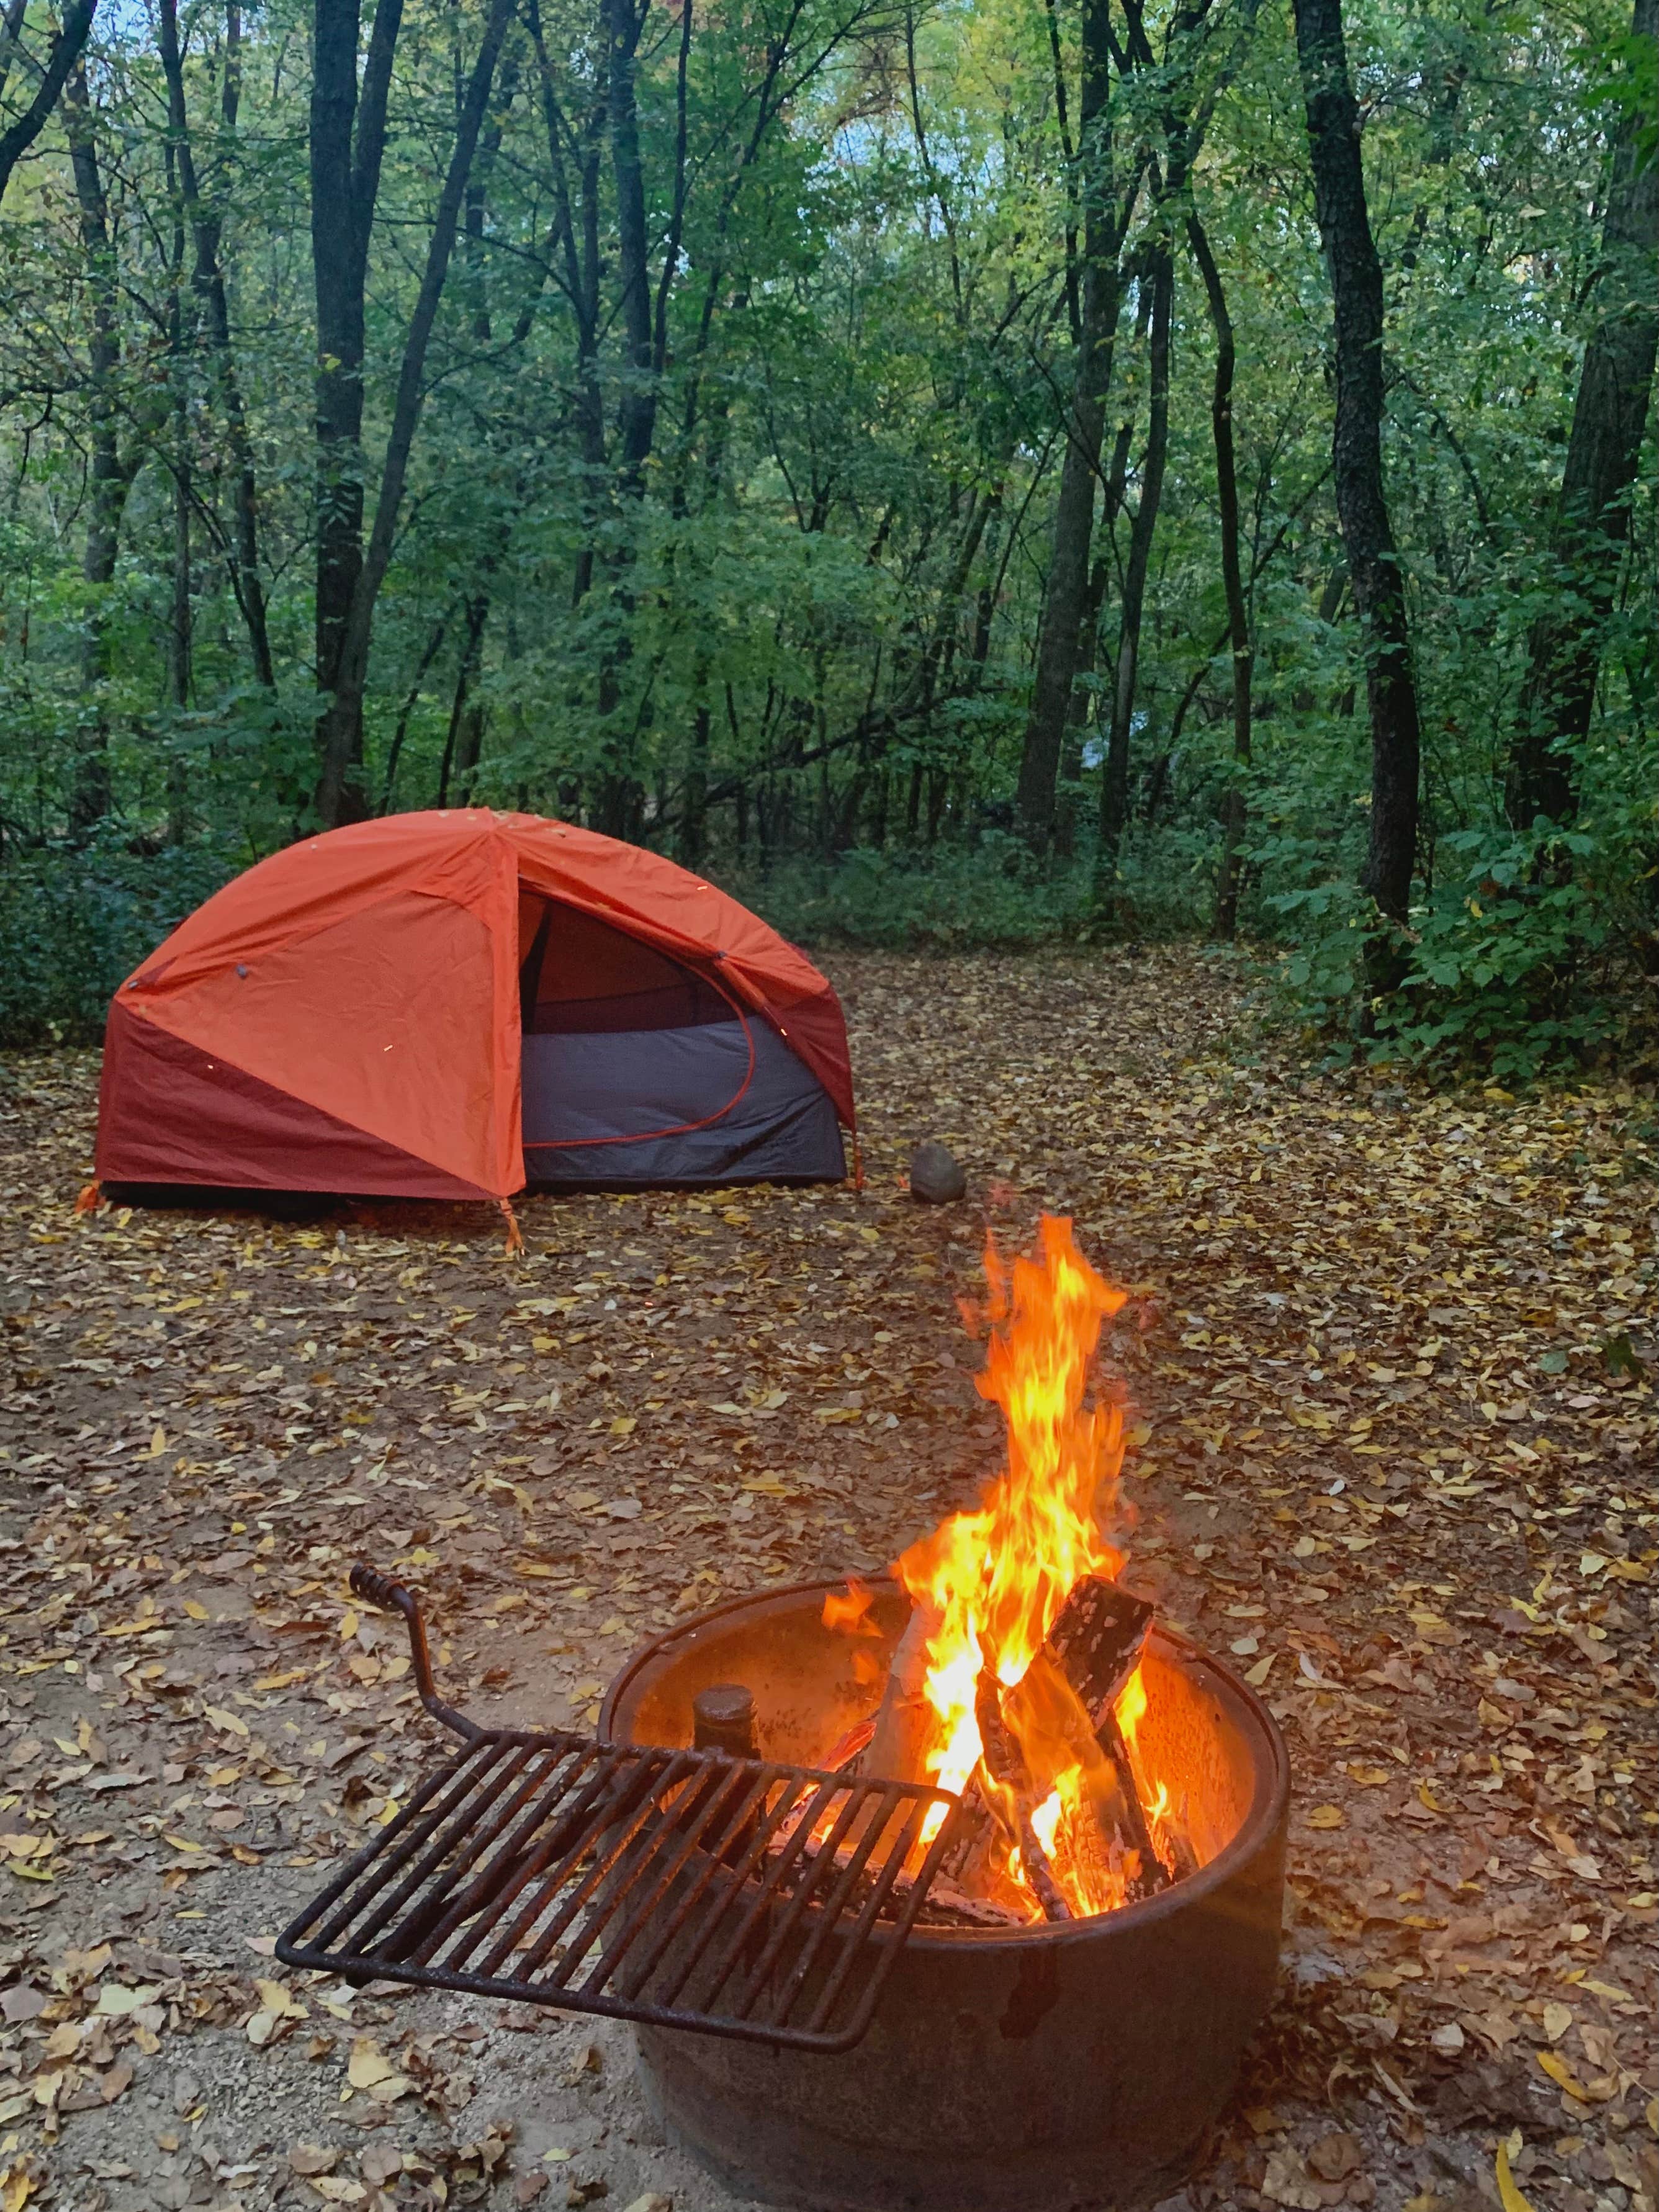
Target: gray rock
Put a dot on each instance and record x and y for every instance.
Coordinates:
(936, 1177)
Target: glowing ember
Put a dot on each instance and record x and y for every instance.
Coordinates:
(986, 1587)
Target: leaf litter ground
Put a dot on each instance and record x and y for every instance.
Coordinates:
(1391, 1357)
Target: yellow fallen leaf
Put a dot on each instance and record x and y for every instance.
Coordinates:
(197, 1612)
(283, 1681)
(368, 2065)
(16, 2186)
(115, 2001)
(623, 1425)
(1370, 1777)
(1561, 2073)
(1426, 1798)
(276, 1998)
(158, 1444)
(1259, 1673)
(1327, 1816)
(228, 1722)
(533, 1569)
(1509, 2196)
(1558, 2018)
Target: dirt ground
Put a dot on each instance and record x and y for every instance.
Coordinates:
(1392, 1359)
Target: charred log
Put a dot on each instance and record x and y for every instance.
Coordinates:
(1096, 1642)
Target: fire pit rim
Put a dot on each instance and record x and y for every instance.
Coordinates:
(1267, 1810)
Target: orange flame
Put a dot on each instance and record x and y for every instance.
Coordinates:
(990, 1582)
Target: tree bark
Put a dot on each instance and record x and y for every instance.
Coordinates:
(180, 639)
(1232, 577)
(1356, 278)
(1115, 783)
(339, 796)
(624, 21)
(1592, 518)
(463, 740)
(348, 143)
(1074, 510)
(67, 44)
(576, 231)
(207, 282)
(91, 792)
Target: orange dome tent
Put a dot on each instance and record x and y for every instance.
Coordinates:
(451, 1005)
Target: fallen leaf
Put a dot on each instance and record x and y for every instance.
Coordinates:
(368, 2064)
(1509, 2196)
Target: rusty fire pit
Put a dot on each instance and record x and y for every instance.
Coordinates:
(1035, 2069)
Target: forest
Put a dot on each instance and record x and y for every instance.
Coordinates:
(1045, 469)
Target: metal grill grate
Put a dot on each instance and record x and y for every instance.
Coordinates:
(686, 1888)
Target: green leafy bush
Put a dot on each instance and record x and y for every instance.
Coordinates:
(988, 893)
(1525, 958)
(74, 920)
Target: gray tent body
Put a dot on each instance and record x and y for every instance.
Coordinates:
(637, 1070)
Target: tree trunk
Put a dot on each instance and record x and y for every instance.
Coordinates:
(90, 793)
(1592, 518)
(347, 141)
(1232, 577)
(208, 281)
(179, 639)
(463, 740)
(339, 796)
(1356, 278)
(1114, 782)
(394, 751)
(624, 21)
(694, 811)
(1074, 510)
(63, 57)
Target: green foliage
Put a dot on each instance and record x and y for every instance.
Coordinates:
(75, 922)
(795, 647)
(985, 895)
(1512, 968)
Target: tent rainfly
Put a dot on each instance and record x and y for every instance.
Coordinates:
(455, 1004)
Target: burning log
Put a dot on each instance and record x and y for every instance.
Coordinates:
(1152, 1874)
(905, 1721)
(1004, 1763)
(1095, 1642)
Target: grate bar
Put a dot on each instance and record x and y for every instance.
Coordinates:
(517, 1864)
(684, 1888)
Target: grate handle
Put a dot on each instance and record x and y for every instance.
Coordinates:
(379, 1589)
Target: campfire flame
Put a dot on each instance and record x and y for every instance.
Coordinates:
(987, 1585)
